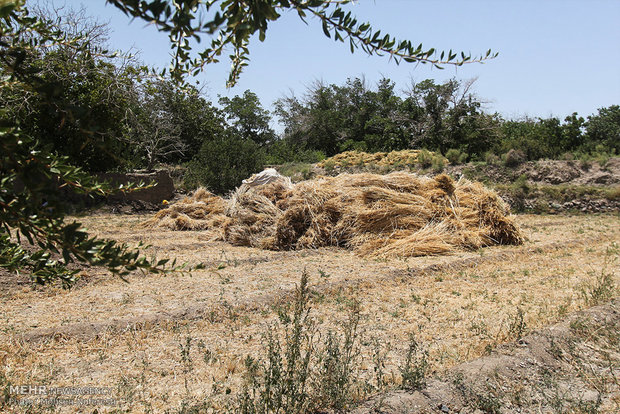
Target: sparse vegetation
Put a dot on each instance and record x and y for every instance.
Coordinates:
(191, 354)
(415, 368)
(602, 286)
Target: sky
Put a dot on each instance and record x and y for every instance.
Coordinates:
(556, 57)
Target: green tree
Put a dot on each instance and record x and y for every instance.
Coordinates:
(153, 133)
(248, 117)
(222, 163)
(604, 129)
(197, 119)
(34, 235)
(82, 113)
(572, 132)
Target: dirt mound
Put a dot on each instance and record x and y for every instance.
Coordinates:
(573, 172)
(398, 214)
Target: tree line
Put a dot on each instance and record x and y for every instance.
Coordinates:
(71, 108)
(141, 120)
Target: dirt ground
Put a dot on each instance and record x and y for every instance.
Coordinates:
(161, 342)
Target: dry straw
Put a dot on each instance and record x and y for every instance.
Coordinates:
(398, 214)
(381, 159)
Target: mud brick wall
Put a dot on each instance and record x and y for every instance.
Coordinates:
(162, 190)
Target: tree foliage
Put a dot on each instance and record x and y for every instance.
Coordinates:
(222, 163)
(248, 118)
(231, 24)
(34, 235)
(445, 117)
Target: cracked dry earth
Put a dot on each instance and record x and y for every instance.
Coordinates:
(133, 336)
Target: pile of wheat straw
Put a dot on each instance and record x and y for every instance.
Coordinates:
(201, 211)
(353, 158)
(398, 214)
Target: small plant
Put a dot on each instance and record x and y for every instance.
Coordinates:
(329, 165)
(186, 360)
(301, 374)
(284, 384)
(603, 287)
(491, 159)
(438, 164)
(337, 362)
(425, 159)
(415, 368)
(456, 157)
(517, 326)
(378, 357)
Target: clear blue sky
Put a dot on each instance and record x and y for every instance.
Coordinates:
(555, 56)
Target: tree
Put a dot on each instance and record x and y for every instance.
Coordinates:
(153, 132)
(222, 163)
(572, 132)
(83, 116)
(248, 118)
(604, 129)
(34, 236)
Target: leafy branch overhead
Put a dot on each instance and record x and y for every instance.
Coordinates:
(35, 185)
(232, 23)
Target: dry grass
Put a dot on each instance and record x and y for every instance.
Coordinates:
(200, 211)
(381, 159)
(395, 215)
(458, 306)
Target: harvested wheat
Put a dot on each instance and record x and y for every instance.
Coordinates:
(398, 214)
(379, 159)
(201, 211)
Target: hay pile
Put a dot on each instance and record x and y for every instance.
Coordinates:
(201, 211)
(399, 214)
(381, 159)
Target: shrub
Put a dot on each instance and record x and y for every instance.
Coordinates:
(603, 287)
(438, 163)
(491, 159)
(425, 159)
(222, 164)
(568, 156)
(415, 369)
(301, 374)
(329, 165)
(456, 157)
(514, 158)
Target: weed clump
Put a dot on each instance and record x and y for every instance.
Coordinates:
(301, 373)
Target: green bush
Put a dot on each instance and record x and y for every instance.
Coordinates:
(438, 163)
(415, 368)
(514, 158)
(302, 372)
(281, 152)
(490, 158)
(222, 164)
(456, 157)
(297, 171)
(425, 159)
(329, 166)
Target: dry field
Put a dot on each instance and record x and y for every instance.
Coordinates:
(165, 342)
